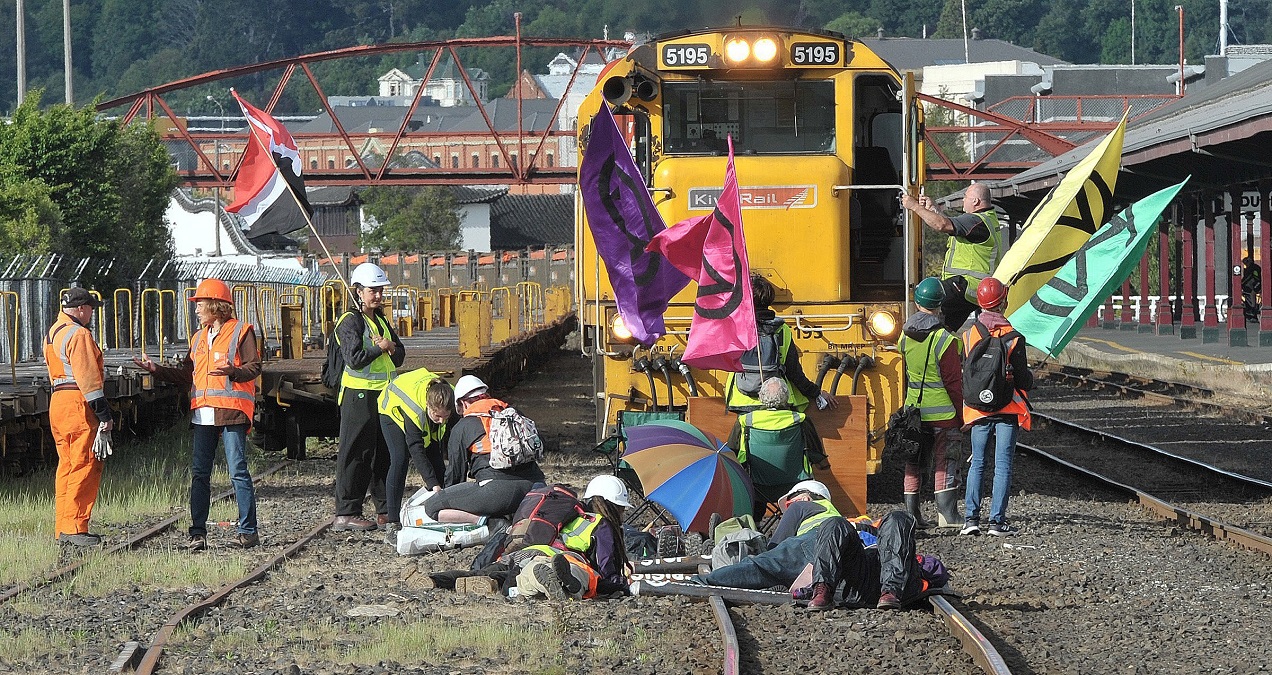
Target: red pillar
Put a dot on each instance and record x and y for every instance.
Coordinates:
(1188, 274)
(1127, 320)
(1165, 317)
(1265, 257)
(1145, 305)
(1237, 336)
(1210, 322)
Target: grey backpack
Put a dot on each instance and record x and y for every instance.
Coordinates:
(735, 546)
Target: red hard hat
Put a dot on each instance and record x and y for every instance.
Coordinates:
(212, 289)
(990, 293)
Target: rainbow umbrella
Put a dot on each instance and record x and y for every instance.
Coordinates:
(689, 472)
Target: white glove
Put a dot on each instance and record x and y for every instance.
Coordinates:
(103, 446)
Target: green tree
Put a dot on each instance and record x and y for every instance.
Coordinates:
(854, 24)
(109, 185)
(411, 219)
(28, 216)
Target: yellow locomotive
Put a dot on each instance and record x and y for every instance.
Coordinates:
(825, 135)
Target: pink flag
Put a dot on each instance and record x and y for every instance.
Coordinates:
(711, 249)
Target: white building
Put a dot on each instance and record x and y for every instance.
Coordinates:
(446, 86)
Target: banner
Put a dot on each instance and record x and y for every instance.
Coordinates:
(1060, 308)
(1065, 219)
(623, 220)
(712, 250)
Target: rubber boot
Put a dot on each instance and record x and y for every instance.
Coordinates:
(912, 505)
(948, 514)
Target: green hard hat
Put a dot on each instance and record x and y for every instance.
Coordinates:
(929, 293)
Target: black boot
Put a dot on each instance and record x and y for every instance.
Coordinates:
(912, 505)
(947, 508)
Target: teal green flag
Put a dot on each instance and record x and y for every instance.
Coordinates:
(1061, 306)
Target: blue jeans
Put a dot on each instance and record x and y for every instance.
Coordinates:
(235, 437)
(1004, 431)
(778, 566)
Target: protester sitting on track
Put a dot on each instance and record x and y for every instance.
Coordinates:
(220, 369)
(777, 445)
(492, 492)
(595, 564)
(812, 532)
(415, 418)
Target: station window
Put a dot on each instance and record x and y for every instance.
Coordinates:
(494, 161)
(313, 164)
(476, 160)
(437, 159)
(331, 162)
(550, 158)
(454, 161)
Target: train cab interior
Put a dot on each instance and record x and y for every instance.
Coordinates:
(878, 252)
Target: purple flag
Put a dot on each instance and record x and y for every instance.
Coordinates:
(623, 221)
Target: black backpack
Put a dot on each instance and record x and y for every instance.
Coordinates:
(541, 515)
(762, 363)
(333, 367)
(986, 384)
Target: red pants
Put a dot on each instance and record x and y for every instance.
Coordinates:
(79, 474)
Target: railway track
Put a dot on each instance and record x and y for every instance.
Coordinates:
(1174, 469)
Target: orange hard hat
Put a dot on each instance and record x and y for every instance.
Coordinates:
(212, 289)
(990, 293)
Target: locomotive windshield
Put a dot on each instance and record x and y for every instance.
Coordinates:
(765, 118)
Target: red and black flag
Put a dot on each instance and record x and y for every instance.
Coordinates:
(269, 194)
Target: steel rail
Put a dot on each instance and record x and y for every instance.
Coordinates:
(155, 651)
(1092, 379)
(728, 634)
(1181, 516)
(1144, 447)
(149, 533)
(975, 644)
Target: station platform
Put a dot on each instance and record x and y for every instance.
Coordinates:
(1244, 371)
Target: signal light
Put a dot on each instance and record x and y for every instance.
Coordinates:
(765, 49)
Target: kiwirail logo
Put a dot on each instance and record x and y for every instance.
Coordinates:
(757, 197)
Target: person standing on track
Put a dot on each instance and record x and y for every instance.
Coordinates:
(974, 248)
(220, 369)
(372, 353)
(78, 411)
(1004, 423)
(934, 383)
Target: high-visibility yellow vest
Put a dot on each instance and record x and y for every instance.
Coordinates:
(769, 420)
(971, 261)
(810, 523)
(376, 375)
(577, 534)
(404, 399)
(738, 401)
(936, 404)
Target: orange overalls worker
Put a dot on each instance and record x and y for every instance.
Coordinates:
(78, 410)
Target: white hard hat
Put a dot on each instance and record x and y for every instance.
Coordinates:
(610, 488)
(369, 275)
(814, 486)
(469, 385)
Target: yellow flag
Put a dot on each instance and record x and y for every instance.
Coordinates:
(1063, 222)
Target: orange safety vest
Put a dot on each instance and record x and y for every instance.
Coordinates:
(74, 359)
(219, 391)
(1018, 405)
(482, 409)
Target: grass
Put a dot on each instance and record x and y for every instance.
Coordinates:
(143, 481)
(103, 574)
(28, 644)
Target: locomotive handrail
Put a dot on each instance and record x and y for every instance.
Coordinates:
(835, 189)
(116, 305)
(13, 345)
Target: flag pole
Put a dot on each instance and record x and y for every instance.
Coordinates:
(292, 191)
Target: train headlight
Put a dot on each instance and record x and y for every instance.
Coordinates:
(619, 329)
(737, 50)
(884, 325)
(765, 49)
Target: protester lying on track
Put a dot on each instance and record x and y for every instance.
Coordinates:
(812, 534)
(585, 558)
